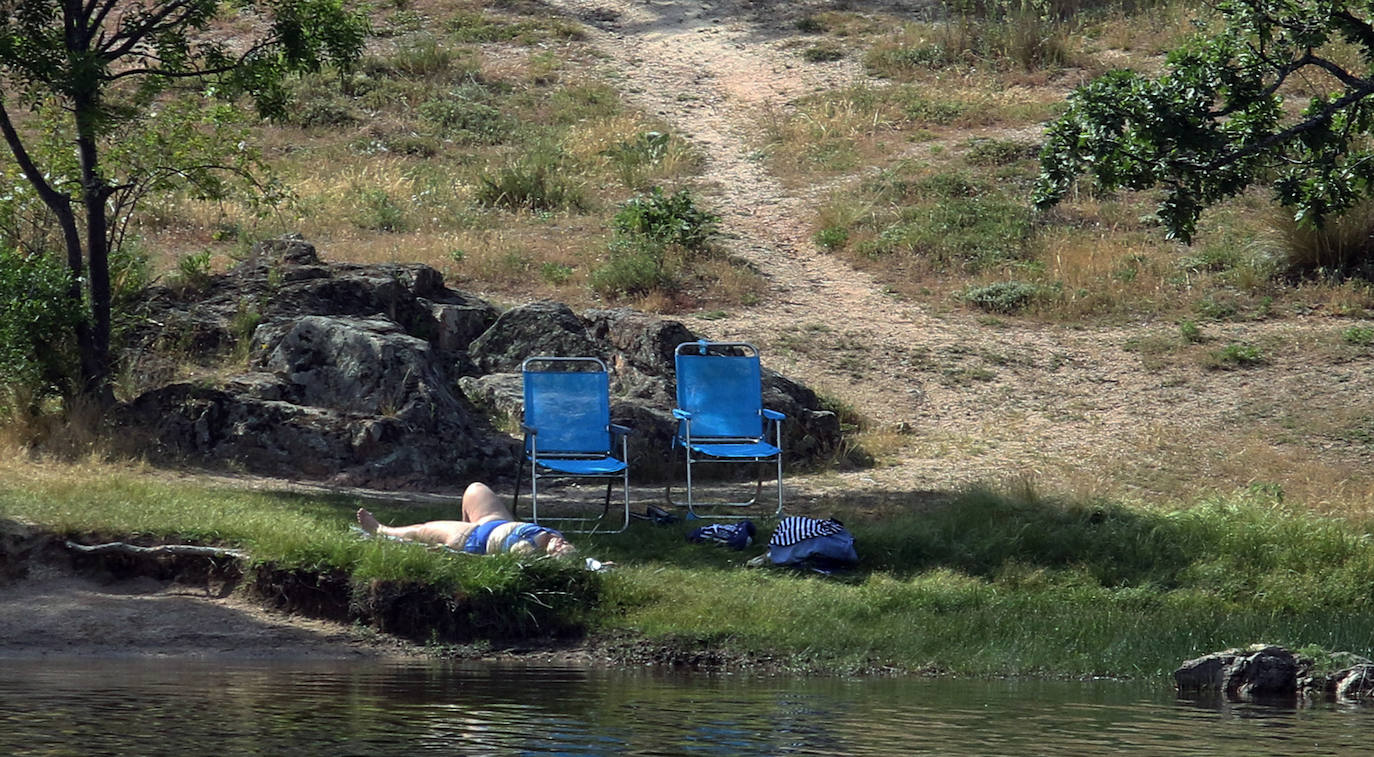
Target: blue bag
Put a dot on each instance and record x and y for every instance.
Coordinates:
(733, 535)
(822, 545)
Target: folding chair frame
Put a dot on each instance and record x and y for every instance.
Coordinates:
(531, 453)
(686, 440)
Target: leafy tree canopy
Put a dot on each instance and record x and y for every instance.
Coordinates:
(1217, 121)
(98, 77)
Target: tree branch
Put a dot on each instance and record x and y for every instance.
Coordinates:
(51, 197)
(1280, 137)
(134, 34)
(120, 547)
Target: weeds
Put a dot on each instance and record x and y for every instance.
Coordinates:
(1362, 336)
(823, 53)
(193, 272)
(1234, 355)
(1005, 297)
(377, 211)
(540, 181)
(667, 219)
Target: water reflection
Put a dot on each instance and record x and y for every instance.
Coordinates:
(82, 706)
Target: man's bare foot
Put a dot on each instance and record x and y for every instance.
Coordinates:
(368, 522)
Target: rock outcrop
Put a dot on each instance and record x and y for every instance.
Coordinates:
(1266, 672)
(382, 376)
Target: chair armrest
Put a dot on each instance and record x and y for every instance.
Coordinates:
(529, 429)
(682, 415)
(773, 415)
(621, 430)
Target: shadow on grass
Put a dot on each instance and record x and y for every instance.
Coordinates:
(1250, 542)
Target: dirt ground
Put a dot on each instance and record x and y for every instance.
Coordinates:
(57, 613)
(1068, 407)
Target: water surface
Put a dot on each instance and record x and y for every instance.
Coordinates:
(178, 707)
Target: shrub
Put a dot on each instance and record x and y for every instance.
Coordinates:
(822, 54)
(666, 219)
(421, 57)
(555, 273)
(1341, 243)
(539, 181)
(832, 237)
(1360, 335)
(193, 271)
(36, 320)
(632, 156)
(1002, 297)
(377, 211)
(471, 26)
(1234, 355)
(466, 121)
(320, 102)
(635, 267)
(999, 152)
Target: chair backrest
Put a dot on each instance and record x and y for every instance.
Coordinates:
(720, 384)
(569, 405)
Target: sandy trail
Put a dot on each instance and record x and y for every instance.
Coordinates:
(1057, 404)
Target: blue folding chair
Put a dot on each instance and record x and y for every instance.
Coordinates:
(569, 434)
(720, 414)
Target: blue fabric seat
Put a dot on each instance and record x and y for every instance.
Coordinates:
(568, 433)
(720, 414)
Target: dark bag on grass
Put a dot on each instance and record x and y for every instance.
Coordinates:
(822, 545)
(734, 535)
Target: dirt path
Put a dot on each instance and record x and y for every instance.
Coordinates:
(1068, 407)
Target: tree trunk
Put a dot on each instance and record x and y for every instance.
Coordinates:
(95, 354)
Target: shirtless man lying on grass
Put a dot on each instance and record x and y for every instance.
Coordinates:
(487, 528)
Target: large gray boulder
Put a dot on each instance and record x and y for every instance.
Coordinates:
(539, 328)
(1267, 672)
(381, 375)
(344, 399)
(1260, 672)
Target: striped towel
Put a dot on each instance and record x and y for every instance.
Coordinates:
(797, 528)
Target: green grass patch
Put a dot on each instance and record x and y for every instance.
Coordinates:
(999, 583)
(944, 221)
(311, 535)
(990, 582)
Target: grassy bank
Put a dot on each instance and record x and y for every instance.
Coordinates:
(987, 582)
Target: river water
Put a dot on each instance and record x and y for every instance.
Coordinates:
(75, 706)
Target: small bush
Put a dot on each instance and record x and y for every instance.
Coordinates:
(924, 110)
(632, 157)
(999, 152)
(1006, 297)
(36, 321)
(674, 219)
(377, 211)
(635, 267)
(1189, 331)
(1359, 335)
(539, 181)
(1234, 355)
(470, 26)
(822, 54)
(318, 101)
(418, 58)
(555, 273)
(832, 237)
(1343, 242)
(465, 121)
(193, 271)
